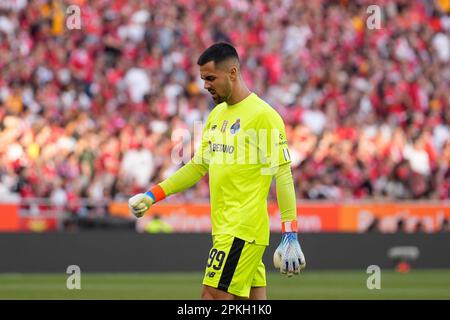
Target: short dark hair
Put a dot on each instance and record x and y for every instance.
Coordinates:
(218, 53)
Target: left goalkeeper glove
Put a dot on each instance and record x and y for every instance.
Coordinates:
(288, 257)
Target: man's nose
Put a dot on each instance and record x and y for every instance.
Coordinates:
(207, 85)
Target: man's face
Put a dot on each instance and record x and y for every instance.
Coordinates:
(218, 80)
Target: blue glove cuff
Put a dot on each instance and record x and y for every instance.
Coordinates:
(151, 195)
(289, 237)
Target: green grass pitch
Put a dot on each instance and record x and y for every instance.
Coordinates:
(323, 285)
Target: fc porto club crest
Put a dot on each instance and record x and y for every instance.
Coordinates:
(235, 126)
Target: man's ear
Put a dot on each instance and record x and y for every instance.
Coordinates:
(233, 73)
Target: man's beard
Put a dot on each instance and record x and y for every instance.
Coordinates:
(218, 99)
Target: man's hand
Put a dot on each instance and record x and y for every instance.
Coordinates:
(140, 203)
(288, 256)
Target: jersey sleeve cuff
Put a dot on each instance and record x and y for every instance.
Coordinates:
(157, 192)
(289, 226)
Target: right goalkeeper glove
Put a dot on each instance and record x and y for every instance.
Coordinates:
(140, 203)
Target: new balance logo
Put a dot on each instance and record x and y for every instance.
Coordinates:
(211, 274)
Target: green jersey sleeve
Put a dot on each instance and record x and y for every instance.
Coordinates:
(191, 172)
(286, 193)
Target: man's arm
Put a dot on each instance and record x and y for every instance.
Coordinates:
(288, 257)
(182, 179)
(286, 194)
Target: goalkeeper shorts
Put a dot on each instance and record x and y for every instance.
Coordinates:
(235, 265)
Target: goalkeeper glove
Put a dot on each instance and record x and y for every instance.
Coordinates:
(288, 257)
(140, 203)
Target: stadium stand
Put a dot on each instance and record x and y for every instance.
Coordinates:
(367, 111)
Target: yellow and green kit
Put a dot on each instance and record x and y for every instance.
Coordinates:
(243, 147)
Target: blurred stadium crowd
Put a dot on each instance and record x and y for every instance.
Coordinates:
(89, 113)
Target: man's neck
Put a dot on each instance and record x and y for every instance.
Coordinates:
(240, 95)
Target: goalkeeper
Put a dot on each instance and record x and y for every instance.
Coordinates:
(243, 147)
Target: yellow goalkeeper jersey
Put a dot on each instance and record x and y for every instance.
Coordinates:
(243, 145)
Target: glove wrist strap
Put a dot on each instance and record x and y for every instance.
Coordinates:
(289, 226)
(156, 193)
